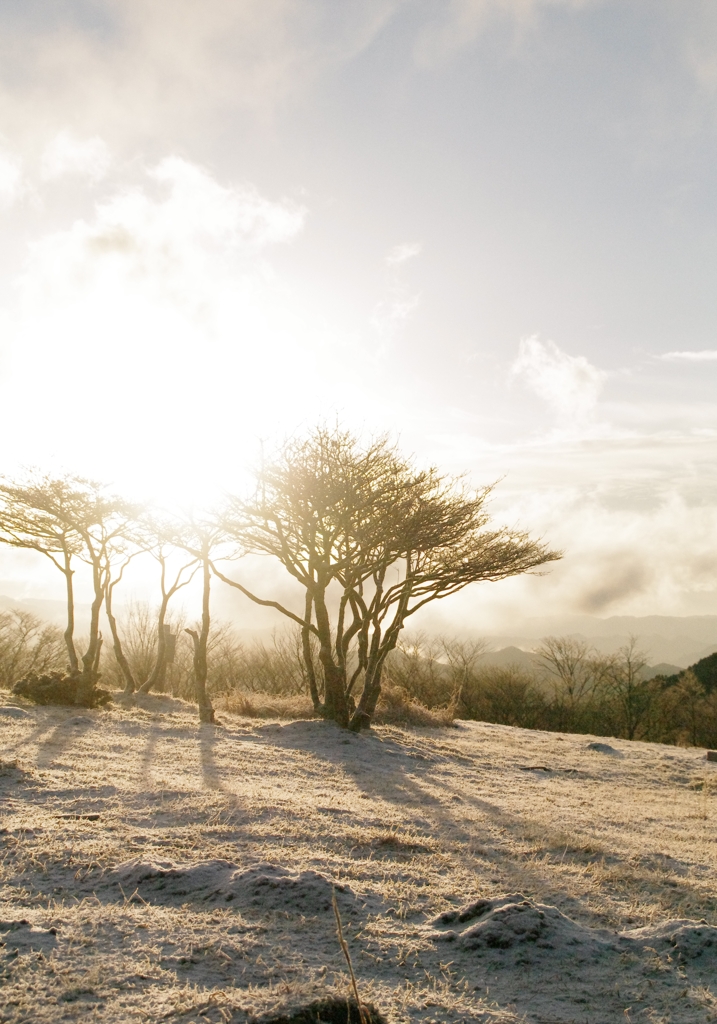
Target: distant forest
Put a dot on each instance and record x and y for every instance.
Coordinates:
(427, 681)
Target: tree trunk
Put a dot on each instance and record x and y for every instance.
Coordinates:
(206, 711)
(157, 674)
(362, 716)
(91, 658)
(336, 705)
(130, 684)
(70, 630)
(308, 657)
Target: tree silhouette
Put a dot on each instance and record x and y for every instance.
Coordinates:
(65, 518)
(372, 540)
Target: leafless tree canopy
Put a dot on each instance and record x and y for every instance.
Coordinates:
(66, 518)
(362, 525)
(370, 537)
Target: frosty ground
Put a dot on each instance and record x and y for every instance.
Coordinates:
(158, 870)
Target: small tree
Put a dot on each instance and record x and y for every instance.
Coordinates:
(372, 540)
(63, 518)
(33, 516)
(203, 540)
(165, 542)
(576, 674)
(631, 693)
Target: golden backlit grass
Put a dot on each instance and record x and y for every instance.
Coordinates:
(395, 707)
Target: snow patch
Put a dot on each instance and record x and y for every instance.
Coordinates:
(512, 921)
(262, 886)
(688, 939)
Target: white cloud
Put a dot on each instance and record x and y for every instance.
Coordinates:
(167, 68)
(569, 384)
(172, 243)
(389, 318)
(707, 355)
(10, 179)
(66, 154)
(403, 252)
(461, 22)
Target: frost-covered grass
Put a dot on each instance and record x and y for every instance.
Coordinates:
(411, 822)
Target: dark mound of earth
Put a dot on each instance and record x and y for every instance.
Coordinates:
(330, 1011)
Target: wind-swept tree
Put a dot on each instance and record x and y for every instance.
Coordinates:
(106, 526)
(34, 515)
(66, 518)
(372, 540)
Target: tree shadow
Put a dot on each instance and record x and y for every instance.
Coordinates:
(63, 736)
(210, 772)
(27, 741)
(403, 771)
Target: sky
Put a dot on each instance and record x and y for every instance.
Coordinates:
(488, 227)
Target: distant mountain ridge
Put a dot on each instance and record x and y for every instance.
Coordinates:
(528, 661)
(669, 641)
(677, 641)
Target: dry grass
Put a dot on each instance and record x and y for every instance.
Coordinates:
(414, 821)
(395, 707)
(265, 705)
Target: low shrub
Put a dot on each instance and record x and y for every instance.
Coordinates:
(264, 705)
(397, 707)
(57, 688)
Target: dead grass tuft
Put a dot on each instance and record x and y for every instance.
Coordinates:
(265, 705)
(395, 707)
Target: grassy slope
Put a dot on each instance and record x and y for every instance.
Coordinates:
(415, 822)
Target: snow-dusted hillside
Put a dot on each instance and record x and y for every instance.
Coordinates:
(153, 869)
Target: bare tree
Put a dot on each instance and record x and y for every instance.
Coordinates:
(166, 543)
(576, 673)
(27, 644)
(64, 518)
(105, 525)
(372, 537)
(203, 540)
(630, 691)
(112, 576)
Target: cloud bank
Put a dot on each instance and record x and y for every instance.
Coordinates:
(570, 385)
(68, 155)
(703, 356)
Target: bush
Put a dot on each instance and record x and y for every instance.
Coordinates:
(57, 688)
(397, 707)
(275, 668)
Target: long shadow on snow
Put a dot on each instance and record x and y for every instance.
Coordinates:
(385, 768)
